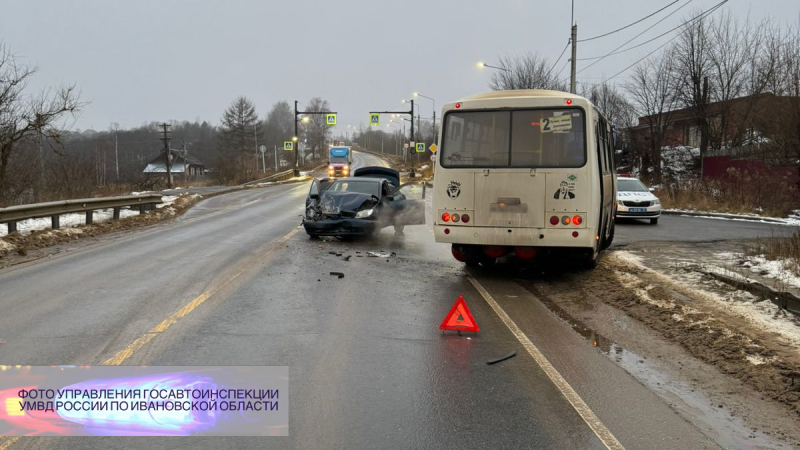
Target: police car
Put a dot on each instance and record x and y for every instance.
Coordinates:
(636, 201)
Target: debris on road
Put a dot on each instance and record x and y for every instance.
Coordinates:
(380, 254)
(502, 358)
(338, 274)
(347, 258)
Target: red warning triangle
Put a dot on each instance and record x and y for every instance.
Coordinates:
(459, 318)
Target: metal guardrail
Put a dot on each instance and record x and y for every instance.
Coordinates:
(11, 215)
(280, 176)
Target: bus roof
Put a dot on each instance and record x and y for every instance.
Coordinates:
(521, 93)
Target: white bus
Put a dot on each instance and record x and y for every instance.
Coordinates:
(525, 172)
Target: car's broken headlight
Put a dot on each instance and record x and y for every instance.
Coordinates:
(364, 213)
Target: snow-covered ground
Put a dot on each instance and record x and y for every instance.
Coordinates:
(71, 220)
(678, 160)
(778, 270)
(763, 315)
(793, 219)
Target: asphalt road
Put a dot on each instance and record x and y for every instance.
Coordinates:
(368, 365)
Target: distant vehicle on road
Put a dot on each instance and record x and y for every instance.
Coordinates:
(364, 204)
(340, 160)
(525, 172)
(636, 201)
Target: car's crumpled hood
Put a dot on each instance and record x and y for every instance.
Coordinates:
(347, 201)
(637, 196)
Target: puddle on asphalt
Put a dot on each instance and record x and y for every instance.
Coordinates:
(728, 431)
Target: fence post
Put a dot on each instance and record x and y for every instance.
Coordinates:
(12, 227)
(89, 216)
(55, 223)
(116, 213)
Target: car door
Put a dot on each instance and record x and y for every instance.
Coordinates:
(408, 204)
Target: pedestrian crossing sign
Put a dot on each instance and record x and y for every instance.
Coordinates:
(330, 119)
(288, 145)
(374, 119)
(420, 147)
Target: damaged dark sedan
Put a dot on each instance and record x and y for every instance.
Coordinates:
(364, 204)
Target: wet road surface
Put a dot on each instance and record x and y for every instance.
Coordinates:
(368, 364)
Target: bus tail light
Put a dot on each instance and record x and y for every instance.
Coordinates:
(525, 252)
(568, 101)
(577, 220)
(465, 218)
(494, 251)
(447, 231)
(445, 217)
(566, 220)
(458, 105)
(455, 218)
(554, 220)
(574, 234)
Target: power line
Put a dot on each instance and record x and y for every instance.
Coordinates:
(628, 25)
(708, 12)
(651, 40)
(559, 57)
(643, 32)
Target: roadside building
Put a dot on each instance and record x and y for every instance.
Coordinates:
(182, 166)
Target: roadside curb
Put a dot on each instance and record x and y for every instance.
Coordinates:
(723, 216)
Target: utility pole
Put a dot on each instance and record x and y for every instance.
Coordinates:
(185, 152)
(573, 62)
(275, 153)
(166, 138)
(116, 150)
(296, 141)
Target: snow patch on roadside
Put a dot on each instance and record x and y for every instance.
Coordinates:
(793, 220)
(764, 315)
(777, 269)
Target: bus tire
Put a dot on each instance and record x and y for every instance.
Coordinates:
(654, 221)
(607, 242)
(589, 261)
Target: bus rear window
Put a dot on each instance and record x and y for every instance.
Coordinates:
(477, 139)
(520, 138)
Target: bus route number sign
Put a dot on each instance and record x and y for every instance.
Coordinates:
(556, 123)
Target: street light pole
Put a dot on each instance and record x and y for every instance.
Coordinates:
(417, 94)
(483, 64)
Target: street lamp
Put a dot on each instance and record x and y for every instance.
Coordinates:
(481, 65)
(417, 94)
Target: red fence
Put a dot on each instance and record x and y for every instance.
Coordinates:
(717, 167)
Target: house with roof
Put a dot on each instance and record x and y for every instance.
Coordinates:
(182, 166)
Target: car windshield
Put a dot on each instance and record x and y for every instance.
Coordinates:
(631, 186)
(361, 187)
(338, 160)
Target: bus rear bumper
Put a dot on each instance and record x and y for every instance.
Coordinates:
(524, 237)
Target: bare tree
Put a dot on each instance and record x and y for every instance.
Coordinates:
(316, 129)
(653, 89)
(692, 67)
(612, 103)
(528, 71)
(27, 118)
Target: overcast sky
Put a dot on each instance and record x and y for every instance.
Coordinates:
(147, 60)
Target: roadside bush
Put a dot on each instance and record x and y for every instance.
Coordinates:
(739, 192)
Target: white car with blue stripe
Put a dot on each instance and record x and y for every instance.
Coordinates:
(636, 201)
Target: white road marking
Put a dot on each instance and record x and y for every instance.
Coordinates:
(599, 429)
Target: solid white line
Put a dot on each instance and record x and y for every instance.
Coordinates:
(603, 433)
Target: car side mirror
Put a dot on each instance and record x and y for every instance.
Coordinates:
(313, 195)
(652, 189)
